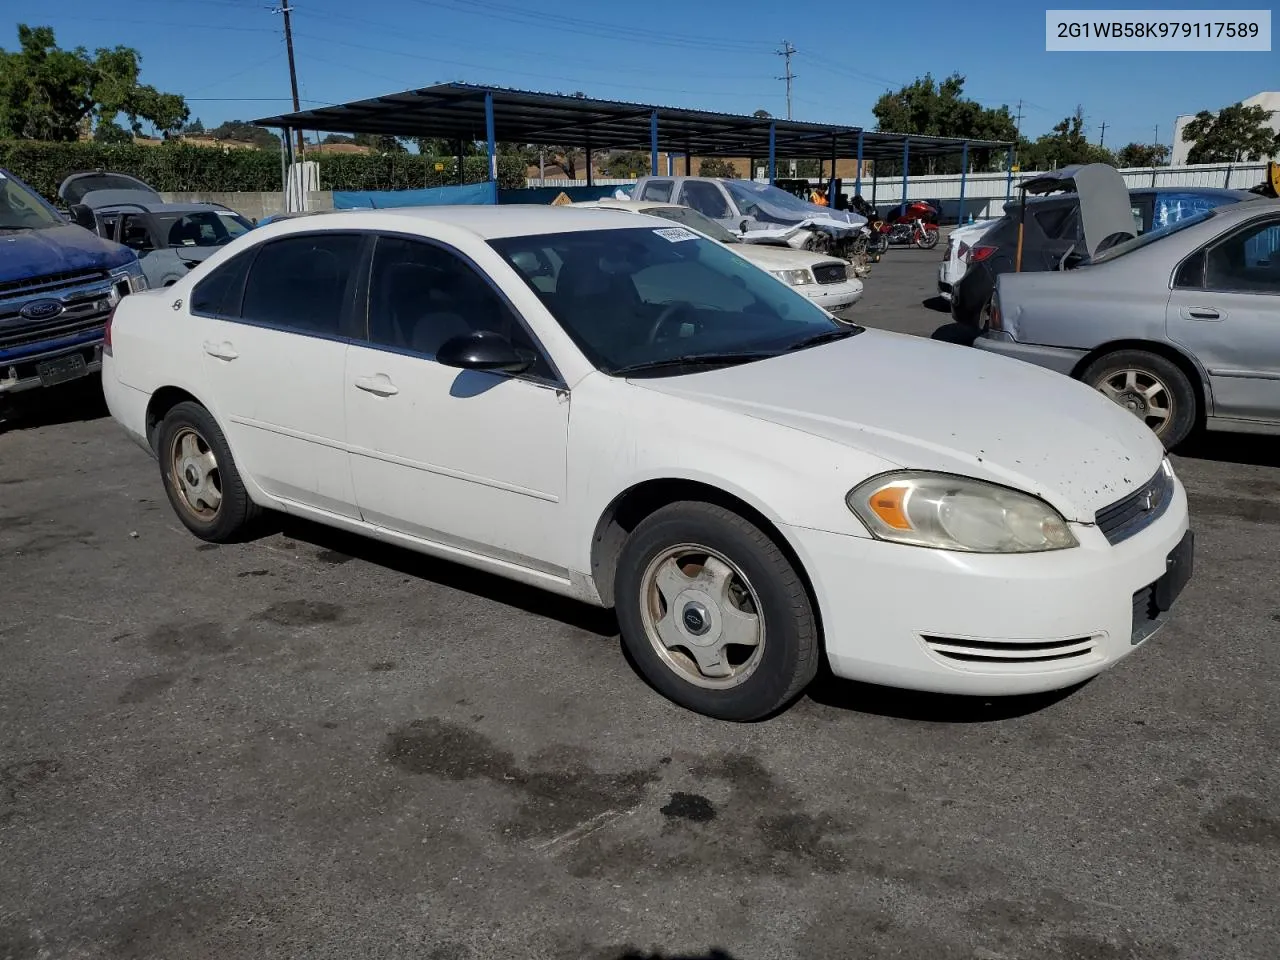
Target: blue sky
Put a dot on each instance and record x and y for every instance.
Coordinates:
(227, 56)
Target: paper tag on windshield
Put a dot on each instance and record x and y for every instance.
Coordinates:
(676, 234)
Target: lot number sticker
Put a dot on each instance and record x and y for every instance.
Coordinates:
(676, 234)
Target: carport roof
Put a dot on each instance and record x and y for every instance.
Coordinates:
(456, 111)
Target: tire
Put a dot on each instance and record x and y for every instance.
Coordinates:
(1145, 384)
(724, 576)
(197, 469)
(928, 240)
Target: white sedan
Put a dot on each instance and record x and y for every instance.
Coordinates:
(822, 278)
(614, 408)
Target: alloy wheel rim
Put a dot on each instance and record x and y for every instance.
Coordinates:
(702, 616)
(193, 470)
(1143, 394)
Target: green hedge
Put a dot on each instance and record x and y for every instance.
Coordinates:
(183, 168)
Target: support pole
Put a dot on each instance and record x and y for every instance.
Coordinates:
(590, 176)
(906, 156)
(489, 133)
(653, 143)
(831, 185)
(857, 183)
(688, 161)
(1008, 182)
(964, 172)
(875, 178)
(773, 152)
(671, 164)
(462, 176)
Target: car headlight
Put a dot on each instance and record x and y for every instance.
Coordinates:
(795, 278)
(956, 513)
(132, 273)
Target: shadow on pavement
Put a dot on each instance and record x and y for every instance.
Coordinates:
(940, 304)
(1256, 450)
(71, 402)
(342, 545)
(713, 954)
(831, 691)
(956, 333)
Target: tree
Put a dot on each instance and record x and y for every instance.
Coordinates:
(1142, 155)
(242, 132)
(380, 143)
(108, 131)
(566, 158)
(621, 164)
(763, 115)
(194, 129)
(47, 93)
(443, 147)
(1236, 133)
(1065, 145)
(716, 167)
(337, 138)
(934, 109)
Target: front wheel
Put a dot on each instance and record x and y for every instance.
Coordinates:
(927, 239)
(713, 613)
(1150, 387)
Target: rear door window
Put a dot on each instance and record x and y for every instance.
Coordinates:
(303, 283)
(219, 294)
(657, 190)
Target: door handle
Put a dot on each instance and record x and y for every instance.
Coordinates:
(380, 385)
(223, 351)
(1200, 313)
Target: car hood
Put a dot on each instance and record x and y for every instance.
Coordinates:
(62, 249)
(926, 405)
(781, 258)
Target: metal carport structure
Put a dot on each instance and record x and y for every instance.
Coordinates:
(463, 112)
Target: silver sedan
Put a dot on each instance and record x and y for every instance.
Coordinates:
(1181, 326)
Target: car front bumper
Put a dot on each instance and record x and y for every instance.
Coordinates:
(987, 625)
(1059, 359)
(834, 296)
(29, 372)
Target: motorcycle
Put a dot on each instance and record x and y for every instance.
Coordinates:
(915, 232)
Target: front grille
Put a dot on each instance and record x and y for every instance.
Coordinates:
(1122, 519)
(82, 310)
(49, 331)
(829, 273)
(50, 282)
(1011, 653)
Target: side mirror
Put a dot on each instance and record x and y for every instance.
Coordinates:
(482, 350)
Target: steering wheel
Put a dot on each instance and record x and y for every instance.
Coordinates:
(669, 311)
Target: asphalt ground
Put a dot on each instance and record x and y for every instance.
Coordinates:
(314, 746)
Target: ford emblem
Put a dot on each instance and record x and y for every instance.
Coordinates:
(41, 309)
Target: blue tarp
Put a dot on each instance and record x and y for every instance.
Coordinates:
(547, 194)
(469, 193)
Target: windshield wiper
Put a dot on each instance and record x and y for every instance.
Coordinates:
(828, 337)
(695, 360)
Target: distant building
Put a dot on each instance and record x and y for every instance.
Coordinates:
(1267, 101)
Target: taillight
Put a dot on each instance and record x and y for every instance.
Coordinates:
(994, 319)
(106, 331)
(980, 253)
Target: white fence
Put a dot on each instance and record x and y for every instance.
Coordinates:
(563, 182)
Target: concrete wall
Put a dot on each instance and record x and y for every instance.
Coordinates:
(255, 206)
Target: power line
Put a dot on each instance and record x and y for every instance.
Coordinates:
(787, 52)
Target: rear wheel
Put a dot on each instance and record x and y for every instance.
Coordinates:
(200, 476)
(1151, 387)
(713, 613)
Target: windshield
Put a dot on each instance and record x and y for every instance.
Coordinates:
(746, 193)
(692, 218)
(200, 229)
(1128, 246)
(664, 299)
(21, 209)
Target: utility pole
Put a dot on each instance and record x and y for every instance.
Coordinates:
(1103, 135)
(787, 52)
(293, 73)
(1017, 131)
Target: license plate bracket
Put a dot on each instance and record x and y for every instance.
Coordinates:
(1179, 566)
(53, 372)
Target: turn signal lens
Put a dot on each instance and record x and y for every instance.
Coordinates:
(888, 503)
